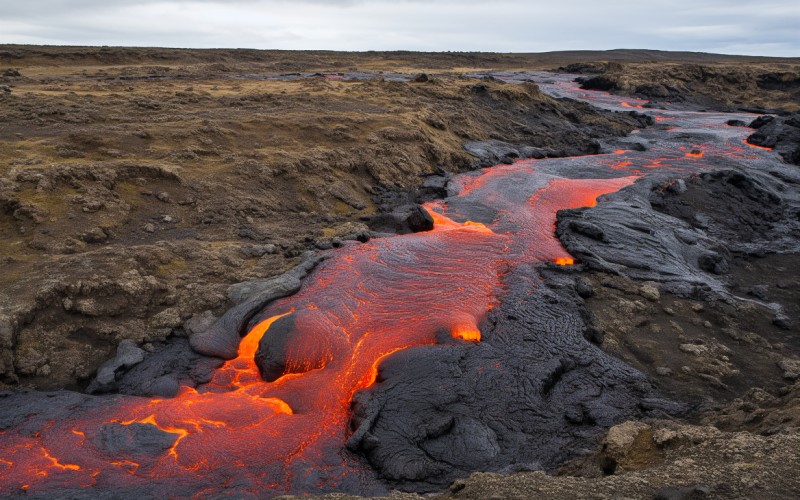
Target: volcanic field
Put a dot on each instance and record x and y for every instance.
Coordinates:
(581, 293)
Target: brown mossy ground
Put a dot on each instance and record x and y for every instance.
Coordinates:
(720, 84)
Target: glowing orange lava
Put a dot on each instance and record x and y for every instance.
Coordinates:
(564, 261)
(756, 146)
(466, 331)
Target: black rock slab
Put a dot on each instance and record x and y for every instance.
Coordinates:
(222, 338)
(532, 394)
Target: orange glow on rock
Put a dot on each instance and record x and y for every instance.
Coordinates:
(620, 165)
(564, 261)
(756, 146)
(442, 223)
(695, 153)
(467, 332)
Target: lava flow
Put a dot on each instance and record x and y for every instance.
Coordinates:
(244, 434)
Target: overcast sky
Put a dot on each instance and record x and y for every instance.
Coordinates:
(768, 27)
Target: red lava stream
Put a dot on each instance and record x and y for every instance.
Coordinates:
(364, 303)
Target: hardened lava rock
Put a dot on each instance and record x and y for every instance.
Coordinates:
(532, 394)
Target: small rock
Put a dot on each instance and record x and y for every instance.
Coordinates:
(11, 72)
(650, 292)
(149, 228)
(698, 308)
(695, 349)
(670, 311)
(707, 324)
(168, 318)
(790, 367)
(323, 245)
(421, 78)
(167, 219)
(251, 251)
(163, 196)
(713, 263)
(165, 386)
(782, 321)
(199, 322)
(95, 235)
(760, 292)
(584, 288)
(128, 355)
(412, 219)
(621, 437)
(677, 186)
(595, 335)
(663, 371)
(608, 283)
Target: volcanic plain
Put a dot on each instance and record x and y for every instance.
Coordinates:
(138, 185)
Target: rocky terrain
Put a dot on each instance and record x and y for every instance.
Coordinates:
(137, 185)
(723, 86)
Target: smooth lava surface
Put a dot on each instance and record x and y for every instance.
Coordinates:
(248, 436)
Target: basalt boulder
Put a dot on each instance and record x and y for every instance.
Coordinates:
(781, 133)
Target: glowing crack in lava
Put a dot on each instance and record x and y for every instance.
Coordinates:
(320, 346)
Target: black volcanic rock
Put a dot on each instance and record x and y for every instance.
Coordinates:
(600, 82)
(493, 152)
(116, 438)
(681, 232)
(408, 218)
(781, 133)
(171, 364)
(128, 355)
(271, 355)
(222, 338)
(531, 392)
(412, 218)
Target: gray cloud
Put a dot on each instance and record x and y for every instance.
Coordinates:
(765, 28)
